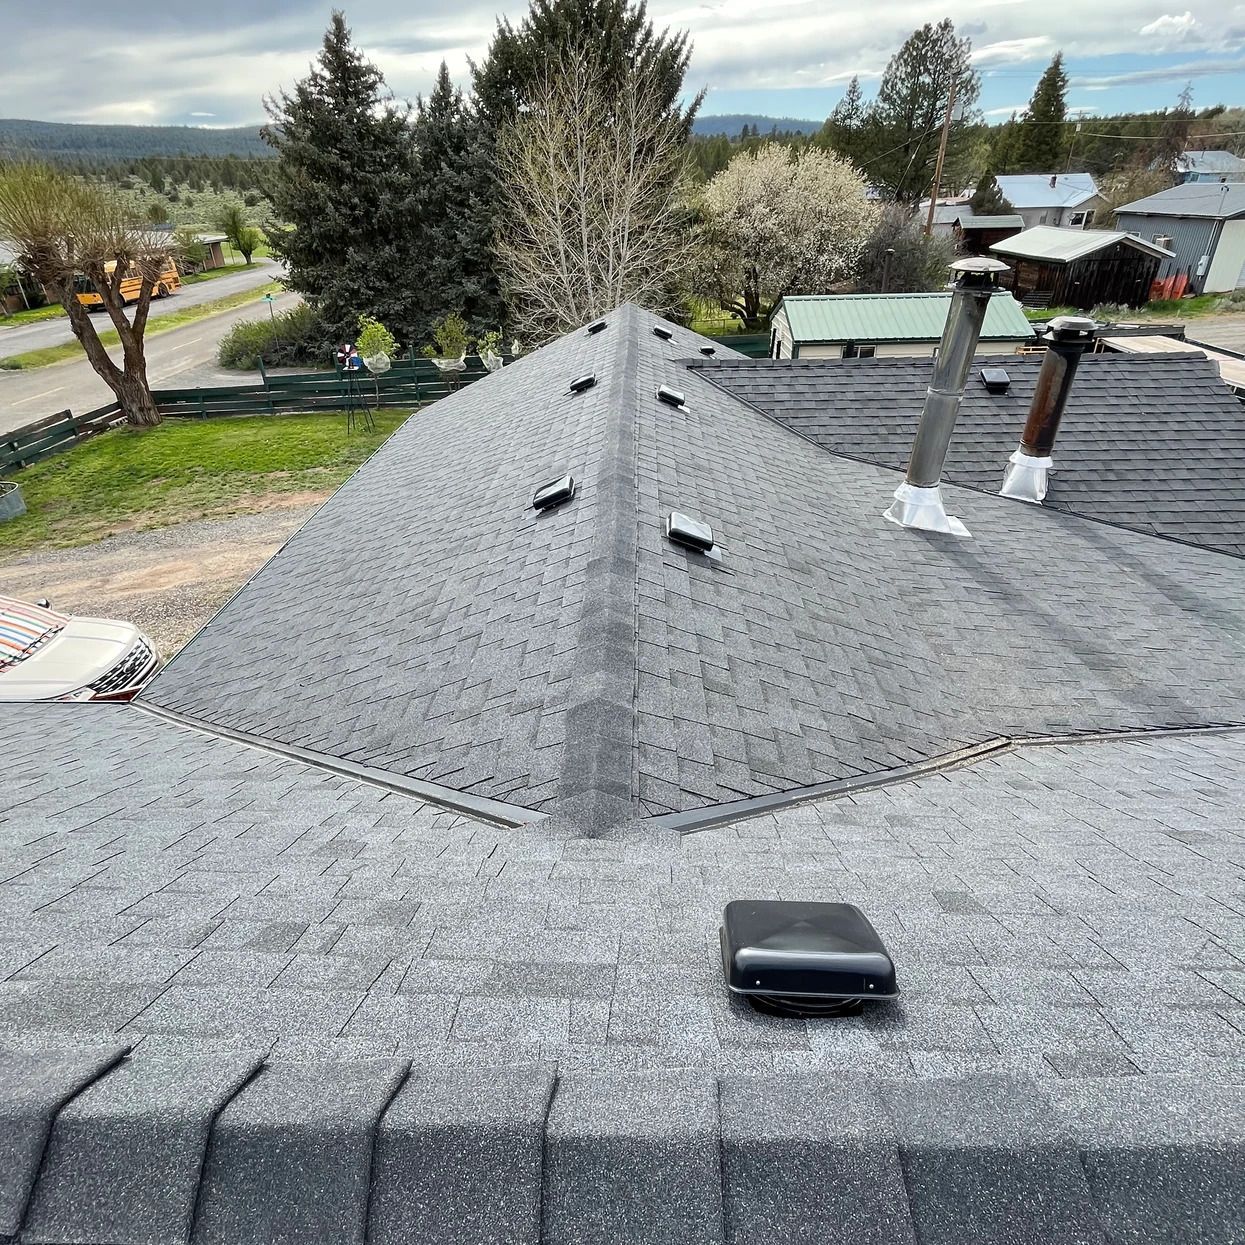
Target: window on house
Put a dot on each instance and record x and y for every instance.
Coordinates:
(852, 350)
(1077, 220)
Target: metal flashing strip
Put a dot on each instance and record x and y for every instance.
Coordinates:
(496, 811)
(712, 815)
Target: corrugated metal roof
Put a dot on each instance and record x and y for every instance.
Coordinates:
(893, 317)
(1213, 199)
(1062, 246)
(1210, 162)
(970, 221)
(1034, 190)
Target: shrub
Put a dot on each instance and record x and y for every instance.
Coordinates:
(290, 337)
(450, 336)
(374, 339)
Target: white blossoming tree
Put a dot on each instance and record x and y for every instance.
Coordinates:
(775, 223)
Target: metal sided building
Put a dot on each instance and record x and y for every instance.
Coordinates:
(865, 326)
(1203, 224)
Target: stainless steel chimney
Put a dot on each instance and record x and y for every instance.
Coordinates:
(918, 500)
(1068, 338)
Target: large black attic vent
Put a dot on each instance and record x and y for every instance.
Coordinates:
(554, 493)
(708, 350)
(684, 530)
(671, 397)
(596, 328)
(664, 333)
(793, 958)
(580, 383)
(995, 379)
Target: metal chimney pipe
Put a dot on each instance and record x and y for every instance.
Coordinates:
(1068, 338)
(918, 500)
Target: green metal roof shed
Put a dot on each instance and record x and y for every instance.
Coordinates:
(870, 320)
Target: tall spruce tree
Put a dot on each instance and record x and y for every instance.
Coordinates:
(616, 33)
(843, 131)
(906, 119)
(1040, 137)
(1004, 148)
(453, 208)
(988, 199)
(345, 182)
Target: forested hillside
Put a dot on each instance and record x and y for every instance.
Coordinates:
(113, 144)
(733, 124)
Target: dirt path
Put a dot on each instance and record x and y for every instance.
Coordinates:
(169, 582)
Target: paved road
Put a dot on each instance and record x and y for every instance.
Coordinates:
(53, 332)
(181, 357)
(1227, 332)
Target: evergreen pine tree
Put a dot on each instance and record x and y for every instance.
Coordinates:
(844, 127)
(452, 203)
(1003, 148)
(345, 182)
(1040, 139)
(906, 119)
(988, 199)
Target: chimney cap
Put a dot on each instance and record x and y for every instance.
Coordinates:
(979, 264)
(1071, 326)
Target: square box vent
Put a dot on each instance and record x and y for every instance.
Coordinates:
(664, 333)
(708, 351)
(554, 493)
(671, 397)
(996, 379)
(797, 958)
(596, 328)
(580, 383)
(684, 530)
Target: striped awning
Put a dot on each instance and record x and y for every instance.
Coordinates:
(22, 626)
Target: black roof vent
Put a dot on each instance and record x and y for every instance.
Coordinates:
(708, 350)
(580, 383)
(671, 397)
(664, 333)
(554, 493)
(596, 328)
(996, 379)
(792, 958)
(684, 530)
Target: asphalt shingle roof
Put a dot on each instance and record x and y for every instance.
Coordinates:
(346, 1011)
(259, 998)
(1158, 446)
(579, 663)
(893, 317)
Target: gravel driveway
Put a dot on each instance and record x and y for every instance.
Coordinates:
(168, 582)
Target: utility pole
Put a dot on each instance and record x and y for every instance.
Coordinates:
(942, 153)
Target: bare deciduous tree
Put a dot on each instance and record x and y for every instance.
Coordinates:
(65, 231)
(592, 214)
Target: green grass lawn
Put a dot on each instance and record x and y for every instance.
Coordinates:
(133, 479)
(72, 350)
(1159, 310)
(33, 316)
(197, 278)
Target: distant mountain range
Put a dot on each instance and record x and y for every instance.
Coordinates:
(57, 140)
(732, 123)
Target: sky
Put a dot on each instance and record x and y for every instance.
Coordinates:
(173, 62)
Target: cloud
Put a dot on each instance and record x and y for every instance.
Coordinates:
(203, 114)
(1172, 28)
(1011, 51)
(1160, 73)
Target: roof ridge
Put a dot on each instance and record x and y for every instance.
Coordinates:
(597, 784)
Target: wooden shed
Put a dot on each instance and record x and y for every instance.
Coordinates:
(1081, 268)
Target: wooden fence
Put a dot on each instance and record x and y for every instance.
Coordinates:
(411, 382)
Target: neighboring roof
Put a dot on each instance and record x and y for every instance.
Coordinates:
(353, 1016)
(1209, 162)
(1034, 190)
(944, 213)
(1199, 199)
(825, 318)
(1231, 367)
(991, 222)
(1153, 443)
(1054, 245)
